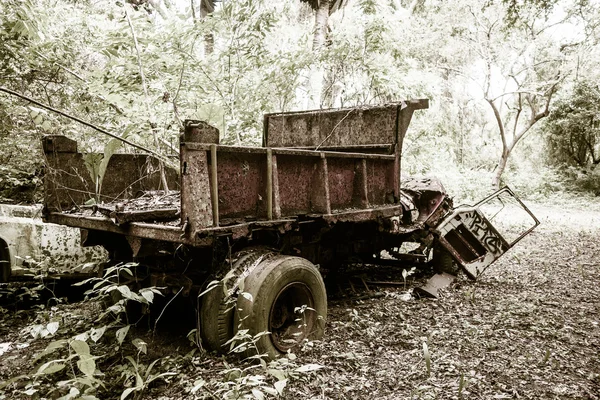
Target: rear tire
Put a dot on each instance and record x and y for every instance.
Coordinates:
(217, 305)
(284, 296)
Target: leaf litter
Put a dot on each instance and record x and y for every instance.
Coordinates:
(529, 328)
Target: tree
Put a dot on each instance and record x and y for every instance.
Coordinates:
(522, 70)
(574, 128)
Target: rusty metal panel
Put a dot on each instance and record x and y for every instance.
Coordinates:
(367, 128)
(196, 205)
(59, 144)
(199, 132)
(138, 229)
(68, 184)
(341, 182)
(380, 182)
(242, 185)
(319, 195)
(276, 198)
(333, 127)
(295, 177)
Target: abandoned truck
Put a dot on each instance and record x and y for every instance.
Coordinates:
(265, 222)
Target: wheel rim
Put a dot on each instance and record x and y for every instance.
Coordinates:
(292, 316)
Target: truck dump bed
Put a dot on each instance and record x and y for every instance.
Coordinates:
(337, 165)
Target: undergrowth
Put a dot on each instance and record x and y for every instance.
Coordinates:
(93, 350)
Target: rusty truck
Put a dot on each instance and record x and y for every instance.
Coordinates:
(261, 225)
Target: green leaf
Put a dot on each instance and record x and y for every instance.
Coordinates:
(46, 125)
(87, 365)
(127, 392)
(309, 368)
(80, 347)
(126, 292)
(277, 373)
(121, 333)
(110, 149)
(96, 334)
(258, 395)
(92, 163)
(198, 385)
(50, 348)
(280, 386)
(57, 344)
(51, 367)
(148, 295)
(52, 327)
(140, 345)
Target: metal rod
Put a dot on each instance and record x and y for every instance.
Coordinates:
(325, 177)
(214, 187)
(269, 184)
(64, 114)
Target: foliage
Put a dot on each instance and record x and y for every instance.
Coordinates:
(574, 128)
(104, 355)
(139, 71)
(70, 362)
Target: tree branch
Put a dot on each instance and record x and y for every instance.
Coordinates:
(141, 71)
(146, 96)
(517, 92)
(500, 124)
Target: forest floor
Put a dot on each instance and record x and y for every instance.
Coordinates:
(529, 328)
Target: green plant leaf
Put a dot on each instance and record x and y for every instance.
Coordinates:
(121, 333)
(92, 163)
(280, 386)
(127, 392)
(148, 295)
(80, 347)
(140, 345)
(52, 327)
(57, 344)
(258, 395)
(126, 292)
(277, 373)
(50, 367)
(109, 149)
(96, 334)
(87, 365)
(309, 368)
(427, 357)
(199, 384)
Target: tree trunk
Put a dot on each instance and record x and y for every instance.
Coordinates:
(207, 7)
(321, 21)
(500, 169)
(316, 75)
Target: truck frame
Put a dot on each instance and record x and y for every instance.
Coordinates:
(253, 229)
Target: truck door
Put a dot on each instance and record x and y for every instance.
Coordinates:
(478, 235)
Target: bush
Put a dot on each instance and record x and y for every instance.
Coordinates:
(17, 186)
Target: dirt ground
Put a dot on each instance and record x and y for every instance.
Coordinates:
(529, 328)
